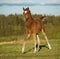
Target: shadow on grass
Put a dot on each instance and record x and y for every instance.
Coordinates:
(40, 47)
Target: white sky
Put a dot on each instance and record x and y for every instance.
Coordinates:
(30, 1)
(53, 1)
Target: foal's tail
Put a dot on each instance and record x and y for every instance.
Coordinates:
(43, 18)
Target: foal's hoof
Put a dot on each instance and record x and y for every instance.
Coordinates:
(23, 52)
(50, 48)
(35, 51)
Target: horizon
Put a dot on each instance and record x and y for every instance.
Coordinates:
(18, 4)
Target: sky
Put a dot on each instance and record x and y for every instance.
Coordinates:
(54, 10)
(31, 1)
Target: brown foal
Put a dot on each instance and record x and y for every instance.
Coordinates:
(33, 27)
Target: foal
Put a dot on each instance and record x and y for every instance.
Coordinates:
(33, 27)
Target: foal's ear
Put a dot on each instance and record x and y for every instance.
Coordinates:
(28, 8)
(23, 8)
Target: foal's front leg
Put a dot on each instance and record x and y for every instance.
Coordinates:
(23, 47)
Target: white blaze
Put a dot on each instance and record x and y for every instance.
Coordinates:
(25, 11)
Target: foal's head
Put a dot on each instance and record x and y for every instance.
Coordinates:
(26, 13)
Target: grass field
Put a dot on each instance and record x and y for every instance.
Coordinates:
(13, 51)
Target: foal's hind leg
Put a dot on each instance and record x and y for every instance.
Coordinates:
(46, 39)
(38, 40)
(23, 47)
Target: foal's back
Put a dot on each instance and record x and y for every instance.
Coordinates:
(37, 25)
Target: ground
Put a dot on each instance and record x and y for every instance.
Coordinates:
(12, 50)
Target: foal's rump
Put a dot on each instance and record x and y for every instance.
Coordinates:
(39, 25)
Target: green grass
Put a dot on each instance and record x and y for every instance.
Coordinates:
(53, 32)
(13, 51)
(11, 38)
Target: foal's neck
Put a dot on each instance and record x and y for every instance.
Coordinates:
(29, 20)
(30, 17)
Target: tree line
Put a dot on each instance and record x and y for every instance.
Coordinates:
(15, 24)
